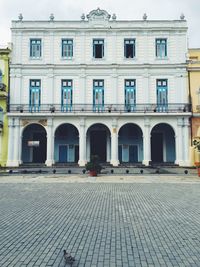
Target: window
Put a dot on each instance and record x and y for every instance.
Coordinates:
(34, 102)
(162, 95)
(67, 48)
(130, 95)
(161, 48)
(98, 95)
(35, 48)
(98, 48)
(66, 98)
(129, 48)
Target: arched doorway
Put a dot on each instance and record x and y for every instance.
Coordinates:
(66, 144)
(130, 143)
(163, 144)
(99, 142)
(34, 144)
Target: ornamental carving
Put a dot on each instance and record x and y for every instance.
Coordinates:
(98, 15)
(43, 122)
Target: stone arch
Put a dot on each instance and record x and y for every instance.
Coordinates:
(163, 146)
(34, 143)
(98, 140)
(66, 143)
(130, 143)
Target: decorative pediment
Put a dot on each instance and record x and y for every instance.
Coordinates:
(98, 15)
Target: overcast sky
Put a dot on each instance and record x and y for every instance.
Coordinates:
(124, 9)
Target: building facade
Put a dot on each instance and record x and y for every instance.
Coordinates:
(4, 83)
(99, 86)
(194, 86)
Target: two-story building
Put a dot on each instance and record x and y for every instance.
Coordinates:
(4, 83)
(99, 86)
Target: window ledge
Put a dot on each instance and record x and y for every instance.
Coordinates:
(130, 59)
(67, 58)
(35, 58)
(161, 58)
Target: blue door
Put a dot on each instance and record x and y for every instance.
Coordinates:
(133, 153)
(162, 95)
(63, 153)
(66, 97)
(130, 95)
(98, 95)
(34, 102)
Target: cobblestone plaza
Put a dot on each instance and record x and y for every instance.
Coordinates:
(142, 221)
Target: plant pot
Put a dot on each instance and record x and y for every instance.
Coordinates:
(93, 173)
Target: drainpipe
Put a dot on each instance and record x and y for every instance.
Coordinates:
(190, 102)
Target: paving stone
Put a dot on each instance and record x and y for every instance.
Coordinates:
(100, 224)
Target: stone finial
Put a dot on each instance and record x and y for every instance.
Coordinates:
(20, 17)
(182, 16)
(83, 16)
(144, 16)
(114, 17)
(51, 17)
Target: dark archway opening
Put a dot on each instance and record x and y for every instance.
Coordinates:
(34, 144)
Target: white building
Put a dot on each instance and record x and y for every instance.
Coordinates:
(117, 89)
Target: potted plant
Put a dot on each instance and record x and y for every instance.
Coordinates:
(196, 144)
(93, 166)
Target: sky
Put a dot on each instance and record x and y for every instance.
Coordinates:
(124, 10)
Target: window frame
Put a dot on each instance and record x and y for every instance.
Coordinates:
(98, 40)
(32, 51)
(159, 49)
(68, 52)
(129, 40)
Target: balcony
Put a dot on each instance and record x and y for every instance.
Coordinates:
(93, 109)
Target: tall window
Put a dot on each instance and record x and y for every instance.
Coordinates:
(98, 95)
(129, 48)
(66, 97)
(67, 48)
(35, 88)
(98, 48)
(161, 48)
(130, 95)
(35, 48)
(162, 94)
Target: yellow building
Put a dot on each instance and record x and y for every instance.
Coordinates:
(194, 88)
(4, 83)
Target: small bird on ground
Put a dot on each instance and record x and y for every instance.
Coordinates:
(68, 258)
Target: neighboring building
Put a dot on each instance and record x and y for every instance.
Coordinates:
(4, 83)
(99, 86)
(194, 87)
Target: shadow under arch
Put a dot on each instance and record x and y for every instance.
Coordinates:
(66, 144)
(34, 144)
(130, 143)
(98, 139)
(163, 146)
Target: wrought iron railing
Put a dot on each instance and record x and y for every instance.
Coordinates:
(107, 108)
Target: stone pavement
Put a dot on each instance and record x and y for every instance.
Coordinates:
(108, 221)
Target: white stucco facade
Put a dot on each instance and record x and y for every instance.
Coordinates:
(114, 68)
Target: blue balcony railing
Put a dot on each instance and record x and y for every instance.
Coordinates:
(106, 108)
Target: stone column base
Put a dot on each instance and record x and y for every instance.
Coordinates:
(183, 163)
(49, 162)
(114, 162)
(145, 162)
(82, 162)
(12, 163)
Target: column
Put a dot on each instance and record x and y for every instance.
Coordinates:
(16, 158)
(146, 143)
(50, 143)
(114, 144)
(82, 144)
(186, 136)
(10, 142)
(179, 143)
(108, 146)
